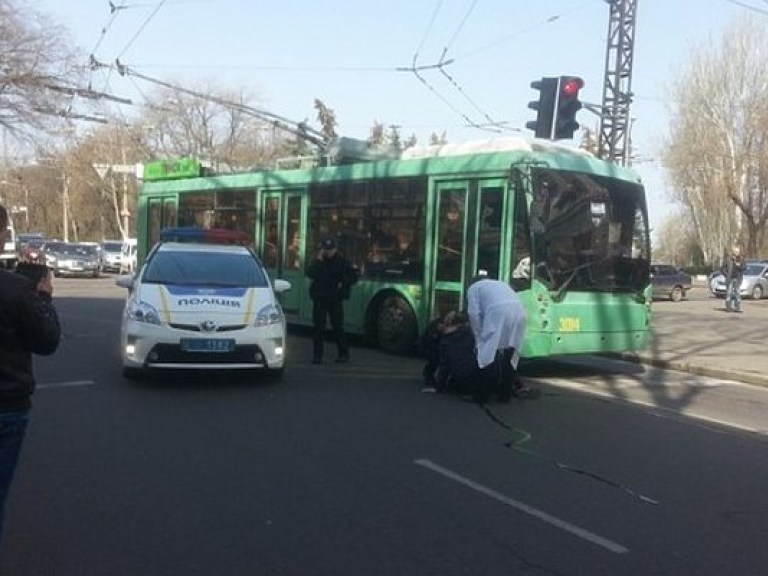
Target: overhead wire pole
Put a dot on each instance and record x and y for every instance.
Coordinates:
(615, 125)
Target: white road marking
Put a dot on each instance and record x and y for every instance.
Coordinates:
(656, 410)
(522, 507)
(66, 384)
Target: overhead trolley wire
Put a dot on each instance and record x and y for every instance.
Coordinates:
(548, 20)
(428, 30)
(461, 25)
(417, 70)
(749, 6)
(142, 27)
(113, 14)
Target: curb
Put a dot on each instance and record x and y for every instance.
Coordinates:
(725, 374)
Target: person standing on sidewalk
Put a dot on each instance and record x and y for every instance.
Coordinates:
(332, 278)
(734, 274)
(28, 324)
(498, 320)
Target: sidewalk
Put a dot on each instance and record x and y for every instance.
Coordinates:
(700, 337)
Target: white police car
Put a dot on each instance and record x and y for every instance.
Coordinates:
(201, 305)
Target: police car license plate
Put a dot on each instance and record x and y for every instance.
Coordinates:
(207, 344)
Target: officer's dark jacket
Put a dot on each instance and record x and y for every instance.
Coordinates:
(28, 324)
(458, 364)
(331, 278)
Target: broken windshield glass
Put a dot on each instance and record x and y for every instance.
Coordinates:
(590, 232)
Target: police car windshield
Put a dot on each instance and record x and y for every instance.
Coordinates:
(204, 269)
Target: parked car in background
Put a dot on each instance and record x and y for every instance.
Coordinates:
(51, 250)
(30, 247)
(754, 284)
(669, 282)
(8, 254)
(74, 259)
(128, 258)
(111, 255)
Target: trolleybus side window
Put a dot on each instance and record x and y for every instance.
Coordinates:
(451, 236)
(229, 209)
(378, 225)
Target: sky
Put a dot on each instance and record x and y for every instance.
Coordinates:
(356, 56)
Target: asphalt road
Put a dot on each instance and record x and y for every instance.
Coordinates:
(350, 469)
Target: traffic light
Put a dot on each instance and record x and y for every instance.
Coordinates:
(556, 107)
(567, 106)
(544, 106)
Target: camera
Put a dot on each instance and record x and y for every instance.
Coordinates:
(35, 272)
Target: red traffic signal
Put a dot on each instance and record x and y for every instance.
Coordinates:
(570, 86)
(567, 106)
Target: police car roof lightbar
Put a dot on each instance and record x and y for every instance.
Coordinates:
(204, 236)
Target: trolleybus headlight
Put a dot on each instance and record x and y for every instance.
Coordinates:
(270, 314)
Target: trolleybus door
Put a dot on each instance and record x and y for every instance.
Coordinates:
(469, 229)
(162, 214)
(281, 244)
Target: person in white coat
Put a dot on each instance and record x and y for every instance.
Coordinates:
(498, 321)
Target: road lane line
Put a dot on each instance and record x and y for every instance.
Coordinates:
(72, 384)
(522, 507)
(656, 410)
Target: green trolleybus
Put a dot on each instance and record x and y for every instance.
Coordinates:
(568, 231)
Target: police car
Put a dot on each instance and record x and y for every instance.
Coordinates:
(200, 301)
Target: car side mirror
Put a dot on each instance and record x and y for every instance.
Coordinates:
(125, 281)
(281, 286)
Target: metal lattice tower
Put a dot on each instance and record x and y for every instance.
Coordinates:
(615, 123)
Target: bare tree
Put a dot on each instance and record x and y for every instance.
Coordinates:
(438, 139)
(179, 124)
(35, 59)
(718, 142)
(676, 241)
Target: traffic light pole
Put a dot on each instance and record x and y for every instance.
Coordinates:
(615, 122)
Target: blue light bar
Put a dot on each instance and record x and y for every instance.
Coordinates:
(204, 236)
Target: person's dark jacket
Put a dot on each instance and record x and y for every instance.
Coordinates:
(332, 279)
(458, 364)
(734, 270)
(28, 324)
(430, 342)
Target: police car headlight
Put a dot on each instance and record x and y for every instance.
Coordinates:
(142, 312)
(50, 259)
(270, 314)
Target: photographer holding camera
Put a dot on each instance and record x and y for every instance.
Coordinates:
(28, 324)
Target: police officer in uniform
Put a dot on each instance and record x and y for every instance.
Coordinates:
(332, 276)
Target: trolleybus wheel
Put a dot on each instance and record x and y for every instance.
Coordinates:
(396, 325)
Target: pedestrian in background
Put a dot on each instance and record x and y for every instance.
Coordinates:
(332, 278)
(498, 320)
(734, 274)
(28, 324)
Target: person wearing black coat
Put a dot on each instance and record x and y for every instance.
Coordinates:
(458, 370)
(28, 325)
(332, 277)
